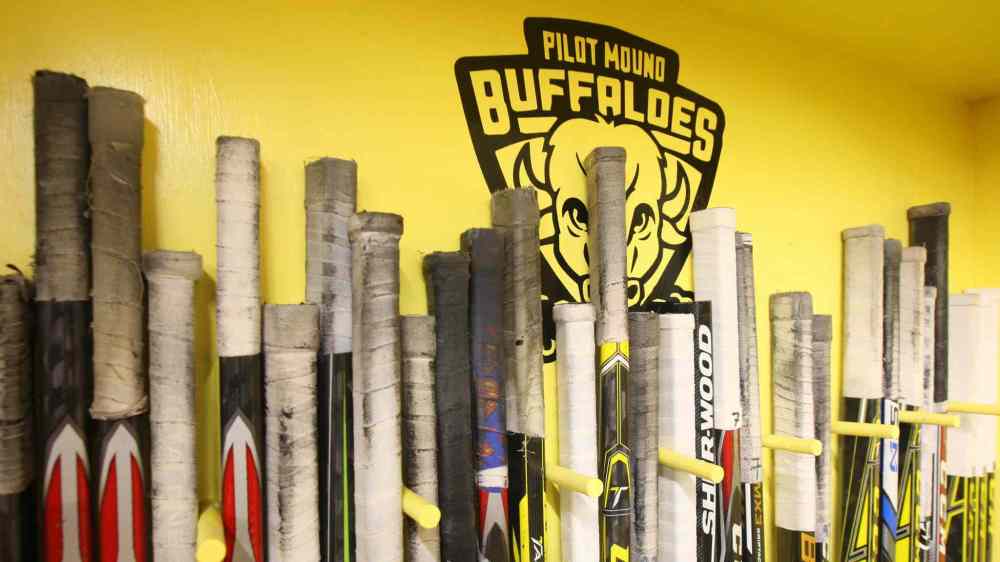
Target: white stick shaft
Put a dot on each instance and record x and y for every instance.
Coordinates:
(677, 490)
(965, 328)
(863, 297)
(575, 364)
(792, 368)
(171, 280)
(378, 489)
(713, 236)
(987, 373)
(929, 434)
(237, 197)
(291, 341)
(419, 438)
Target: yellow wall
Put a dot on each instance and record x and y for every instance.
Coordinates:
(814, 143)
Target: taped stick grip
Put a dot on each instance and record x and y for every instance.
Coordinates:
(702, 469)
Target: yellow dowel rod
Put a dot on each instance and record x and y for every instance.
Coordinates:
(426, 514)
(568, 479)
(973, 408)
(211, 540)
(928, 418)
(793, 444)
(702, 469)
(858, 429)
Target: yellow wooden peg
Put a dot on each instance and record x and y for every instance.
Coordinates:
(426, 514)
(211, 539)
(859, 429)
(924, 417)
(793, 444)
(702, 469)
(973, 408)
(568, 479)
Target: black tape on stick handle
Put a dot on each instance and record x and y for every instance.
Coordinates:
(447, 276)
(63, 376)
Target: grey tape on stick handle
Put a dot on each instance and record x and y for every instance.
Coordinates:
(237, 200)
(419, 437)
(644, 339)
(606, 201)
(577, 383)
(751, 466)
(15, 386)
(331, 199)
(170, 278)
(291, 341)
(62, 163)
(911, 319)
(792, 368)
(863, 298)
(116, 134)
(822, 326)
(515, 214)
(890, 320)
(377, 365)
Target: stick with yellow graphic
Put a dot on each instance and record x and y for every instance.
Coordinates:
(605, 168)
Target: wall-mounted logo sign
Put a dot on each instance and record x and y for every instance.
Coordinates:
(534, 118)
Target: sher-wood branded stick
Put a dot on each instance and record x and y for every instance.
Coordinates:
(605, 169)
(120, 406)
(964, 333)
(331, 195)
(889, 455)
(713, 237)
(485, 248)
(291, 342)
(15, 417)
(378, 489)
(678, 515)
(751, 467)
(575, 362)
(419, 431)
(515, 214)
(447, 277)
(238, 318)
(862, 389)
(929, 228)
(822, 336)
(793, 402)
(911, 312)
(170, 283)
(63, 375)
(644, 332)
(691, 432)
(931, 468)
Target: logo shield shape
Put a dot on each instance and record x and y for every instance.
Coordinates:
(534, 118)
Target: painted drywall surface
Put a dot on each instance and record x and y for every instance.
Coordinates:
(814, 142)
